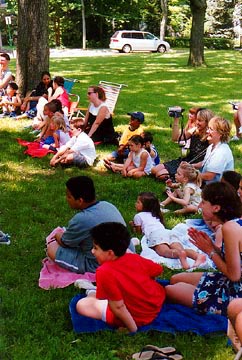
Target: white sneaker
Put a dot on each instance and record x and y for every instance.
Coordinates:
(235, 138)
(135, 241)
(84, 284)
(164, 210)
(240, 130)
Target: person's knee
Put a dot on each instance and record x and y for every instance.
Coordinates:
(234, 308)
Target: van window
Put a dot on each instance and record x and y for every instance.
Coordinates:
(126, 35)
(115, 34)
(137, 35)
(149, 36)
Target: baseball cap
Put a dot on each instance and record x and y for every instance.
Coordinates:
(137, 115)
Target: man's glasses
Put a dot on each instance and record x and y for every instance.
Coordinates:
(90, 92)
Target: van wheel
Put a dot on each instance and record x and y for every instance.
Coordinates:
(126, 49)
(161, 49)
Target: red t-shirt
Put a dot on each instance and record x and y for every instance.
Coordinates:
(131, 278)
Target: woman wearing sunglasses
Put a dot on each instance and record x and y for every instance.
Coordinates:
(98, 123)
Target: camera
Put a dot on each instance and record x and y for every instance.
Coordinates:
(175, 111)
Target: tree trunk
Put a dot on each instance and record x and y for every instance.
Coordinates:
(198, 9)
(84, 31)
(32, 43)
(164, 19)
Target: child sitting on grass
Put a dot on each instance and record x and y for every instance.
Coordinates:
(134, 128)
(127, 294)
(150, 147)
(79, 150)
(188, 189)
(138, 163)
(11, 102)
(149, 222)
(60, 135)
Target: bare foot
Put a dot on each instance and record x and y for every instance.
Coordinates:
(201, 258)
(183, 260)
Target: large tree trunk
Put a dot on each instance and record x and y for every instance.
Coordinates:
(164, 19)
(198, 9)
(32, 43)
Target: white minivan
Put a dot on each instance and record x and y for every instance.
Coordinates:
(131, 40)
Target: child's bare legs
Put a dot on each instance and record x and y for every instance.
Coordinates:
(175, 246)
(133, 172)
(186, 210)
(173, 251)
(167, 201)
(199, 258)
(92, 307)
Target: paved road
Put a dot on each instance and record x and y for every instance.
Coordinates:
(79, 52)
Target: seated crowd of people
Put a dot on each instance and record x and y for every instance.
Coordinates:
(127, 294)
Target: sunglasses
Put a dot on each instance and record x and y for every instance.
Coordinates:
(90, 92)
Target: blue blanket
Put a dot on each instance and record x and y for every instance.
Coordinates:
(172, 318)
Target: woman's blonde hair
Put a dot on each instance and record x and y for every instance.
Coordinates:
(192, 174)
(223, 127)
(58, 120)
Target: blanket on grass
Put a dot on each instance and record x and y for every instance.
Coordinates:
(179, 234)
(53, 276)
(34, 149)
(172, 318)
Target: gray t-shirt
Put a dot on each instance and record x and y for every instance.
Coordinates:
(78, 239)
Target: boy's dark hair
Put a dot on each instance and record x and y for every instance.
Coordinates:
(111, 236)
(58, 105)
(231, 177)
(81, 187)
(224, 195)
(5, 55)
(13, 85)
(148, 137)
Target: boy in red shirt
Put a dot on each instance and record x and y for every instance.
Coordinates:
(127, 294)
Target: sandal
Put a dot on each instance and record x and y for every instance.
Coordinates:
(160, 356)
(149, 351)
(168, 350)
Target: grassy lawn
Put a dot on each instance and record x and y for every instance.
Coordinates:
(35, 324)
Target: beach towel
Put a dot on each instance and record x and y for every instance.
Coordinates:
(53, 276)
(179, 233)
(172, 318)
(34, 148)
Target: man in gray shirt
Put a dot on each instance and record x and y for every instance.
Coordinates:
(71, 249)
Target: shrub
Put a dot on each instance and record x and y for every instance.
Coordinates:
(209, 43)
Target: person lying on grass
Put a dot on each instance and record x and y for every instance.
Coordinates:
(127, 294)
(149, 222)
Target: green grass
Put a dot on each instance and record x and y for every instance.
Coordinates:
(35, 324)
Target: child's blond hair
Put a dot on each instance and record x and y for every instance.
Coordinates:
(192, 174)
(58, 120)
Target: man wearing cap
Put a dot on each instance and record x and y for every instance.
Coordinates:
(134, 128)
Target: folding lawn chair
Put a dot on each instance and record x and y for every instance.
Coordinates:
(69, 83)
(74, 98)
(112, 91)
